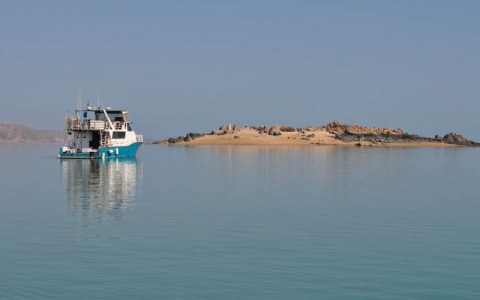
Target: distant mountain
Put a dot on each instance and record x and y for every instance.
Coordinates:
(21, 133)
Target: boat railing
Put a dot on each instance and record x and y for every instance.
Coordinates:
(139, 138)
(116, 126)
(86, 124)
(97, 124)
(71, 124)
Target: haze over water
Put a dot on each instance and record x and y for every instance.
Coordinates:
(241, 223)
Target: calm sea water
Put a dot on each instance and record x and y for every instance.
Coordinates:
(241, 223)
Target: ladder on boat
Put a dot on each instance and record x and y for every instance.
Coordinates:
(103, 139)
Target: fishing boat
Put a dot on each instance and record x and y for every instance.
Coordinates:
(99, 133)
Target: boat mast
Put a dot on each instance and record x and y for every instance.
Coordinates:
(98, 99)
(79, 102)
(79, 99)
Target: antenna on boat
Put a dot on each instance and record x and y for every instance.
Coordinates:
(98, 99)
(79, 99)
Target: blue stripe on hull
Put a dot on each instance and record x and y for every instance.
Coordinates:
(106, 152)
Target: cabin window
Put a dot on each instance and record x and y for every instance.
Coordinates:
(129, 128)
(118, 135)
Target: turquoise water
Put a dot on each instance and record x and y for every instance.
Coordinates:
(241, 223)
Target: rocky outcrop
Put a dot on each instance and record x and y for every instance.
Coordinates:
(261, 129)
(187, 138)
(374, 135)
(450, 138)
(339, 128)
(225, 129)
(288, 129)
(381, 138)
(275, 130)
(457, 139)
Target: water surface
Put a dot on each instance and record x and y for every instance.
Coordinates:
(241, 222)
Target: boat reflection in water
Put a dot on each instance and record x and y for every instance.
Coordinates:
(101, 190)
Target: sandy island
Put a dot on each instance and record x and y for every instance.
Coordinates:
(334, 133)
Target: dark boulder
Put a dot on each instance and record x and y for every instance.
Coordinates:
(194, 135)
(173, 140)
(275, 131)
(457, 139)
(288, 129)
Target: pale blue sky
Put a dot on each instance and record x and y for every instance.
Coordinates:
(180, 66)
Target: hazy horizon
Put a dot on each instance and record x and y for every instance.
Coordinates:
(192, 66)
